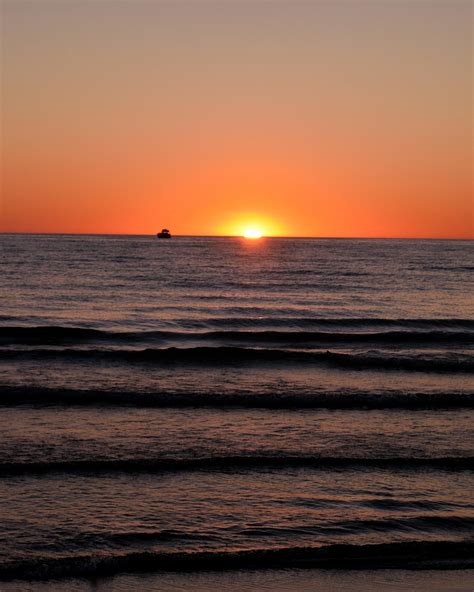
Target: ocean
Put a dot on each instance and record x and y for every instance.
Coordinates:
(220, 413)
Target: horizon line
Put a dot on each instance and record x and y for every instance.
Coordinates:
(33, 233)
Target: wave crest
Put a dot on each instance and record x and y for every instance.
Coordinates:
(215, 356)
(406, 555)
(14, 396)
(223, 463)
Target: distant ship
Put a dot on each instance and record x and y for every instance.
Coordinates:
(165, 233)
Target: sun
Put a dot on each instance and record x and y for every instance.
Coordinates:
(252, 233)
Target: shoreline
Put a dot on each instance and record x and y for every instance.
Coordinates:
(281, 580)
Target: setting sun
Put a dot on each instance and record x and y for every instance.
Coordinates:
(251, 225)
(252, 233)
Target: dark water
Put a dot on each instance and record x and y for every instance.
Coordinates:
(206, 403)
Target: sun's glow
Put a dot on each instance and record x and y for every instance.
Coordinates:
(251, 225)
(252, 233)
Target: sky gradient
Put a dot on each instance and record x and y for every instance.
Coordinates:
(345, 118)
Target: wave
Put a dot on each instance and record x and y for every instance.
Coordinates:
(449, 523)
(424, 523)
(140, 537)
(38, 396)
(215, 356)
(315, 322)
(60, 335)
(48, 334)
(227, 463)
(407, 555)
(452, 523)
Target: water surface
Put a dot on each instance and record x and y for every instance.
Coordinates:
(211, 403)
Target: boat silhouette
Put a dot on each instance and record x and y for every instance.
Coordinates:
(165, 233)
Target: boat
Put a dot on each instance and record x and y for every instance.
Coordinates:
(165, 233)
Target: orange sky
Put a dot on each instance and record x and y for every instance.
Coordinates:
(301, 118)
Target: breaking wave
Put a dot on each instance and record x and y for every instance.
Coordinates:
(227, 463)
(407, 555)
(429, 333)
(215, 356)
(38, 396)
